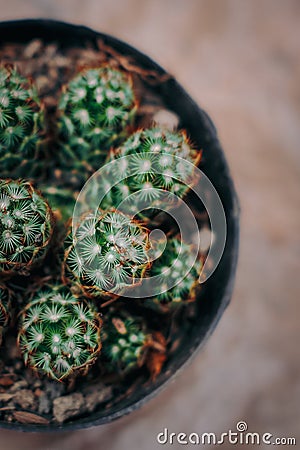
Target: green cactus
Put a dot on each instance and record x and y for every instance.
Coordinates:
(124, 341)
(5, 309)
(26, 226)
(21, 126)
(154, 166)
(110, 253)
(59, 334)
(95, 110)
(176, 266)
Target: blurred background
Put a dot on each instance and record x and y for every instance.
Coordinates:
(240, 61)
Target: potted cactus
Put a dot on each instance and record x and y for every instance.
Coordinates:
(100, 299)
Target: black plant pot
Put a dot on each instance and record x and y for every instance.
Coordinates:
(218, 288)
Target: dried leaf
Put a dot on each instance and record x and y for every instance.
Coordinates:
(155, 361)
(156, 355)
(119, 325)
(6, 381)
(28, 417)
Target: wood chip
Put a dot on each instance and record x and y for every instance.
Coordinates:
(7, 408)
(6, 381)
(5, 397)
(28, 417)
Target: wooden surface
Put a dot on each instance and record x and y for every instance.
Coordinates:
(240, 61)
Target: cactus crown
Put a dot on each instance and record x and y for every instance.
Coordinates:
(123, 340)
(109, 254)
(59, 334)
(25, 225)
(21, 119)
(94, 110)
(177, 274)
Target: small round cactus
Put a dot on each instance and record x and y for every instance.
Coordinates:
(109, 253)
(5, 314)
(21, 126)
(124, 341)
(177, 275)
(154, 164)
(26, 226)
(59, 334)
(95, 109)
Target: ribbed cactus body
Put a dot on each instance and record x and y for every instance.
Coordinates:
(109, 253)
(59, 334)
(124, 341)
(95, 110)
(26, 226)
(21, 126)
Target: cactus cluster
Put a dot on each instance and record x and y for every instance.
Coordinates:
(25, 226)
(108, 253)
(21, 126)
(94, 111)
(59, 334)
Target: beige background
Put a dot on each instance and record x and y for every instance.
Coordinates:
(239, 59)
